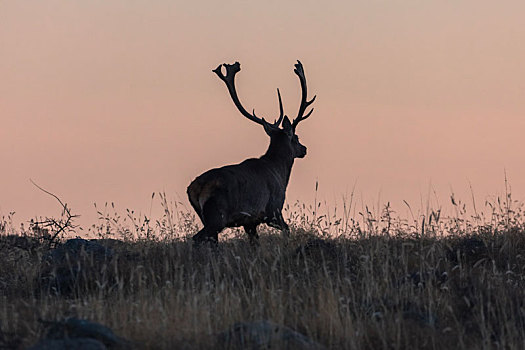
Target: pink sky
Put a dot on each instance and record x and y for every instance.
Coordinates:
(109, 101)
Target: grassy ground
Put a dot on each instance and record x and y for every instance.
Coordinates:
(384, 284)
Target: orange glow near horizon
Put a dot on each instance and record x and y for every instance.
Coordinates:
(111, 101)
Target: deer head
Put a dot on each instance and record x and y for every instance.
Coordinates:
(282, 132)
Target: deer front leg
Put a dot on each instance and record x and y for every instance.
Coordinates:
(278, 222)
(284, 226)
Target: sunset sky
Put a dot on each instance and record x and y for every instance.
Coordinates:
(109, 101)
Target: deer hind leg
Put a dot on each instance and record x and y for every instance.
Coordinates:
(251, 230)
(213, 219)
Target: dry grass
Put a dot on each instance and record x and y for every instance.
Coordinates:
(380, 283)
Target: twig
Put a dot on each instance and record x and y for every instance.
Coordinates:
(58, 226)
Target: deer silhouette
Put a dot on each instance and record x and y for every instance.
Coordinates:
(252, 192)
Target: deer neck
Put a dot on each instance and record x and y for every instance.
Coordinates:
(280, 160)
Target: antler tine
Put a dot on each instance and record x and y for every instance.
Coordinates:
(304, 103)
(281, 110)
(229, 80)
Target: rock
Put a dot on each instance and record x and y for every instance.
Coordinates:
(78, 328)
(69, 344)
(78, 247)
(76, 262)
(264, 335)
(74, 333)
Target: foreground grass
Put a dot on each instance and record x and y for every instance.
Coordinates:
(369, 292)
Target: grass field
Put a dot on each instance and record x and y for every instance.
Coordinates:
(371, 282)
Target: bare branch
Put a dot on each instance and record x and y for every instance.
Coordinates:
(59, 226)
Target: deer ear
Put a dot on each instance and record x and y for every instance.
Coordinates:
(267, 128)
(287, 126)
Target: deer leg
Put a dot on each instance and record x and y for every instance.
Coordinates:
(283, 225)
(278, 222)
(213, 220)
(251, 230)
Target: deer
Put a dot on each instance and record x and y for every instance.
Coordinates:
(252, 192)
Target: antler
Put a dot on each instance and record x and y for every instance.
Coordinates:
(229, 79)
(304, 103)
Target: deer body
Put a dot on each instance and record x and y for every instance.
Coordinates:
(252, 192)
